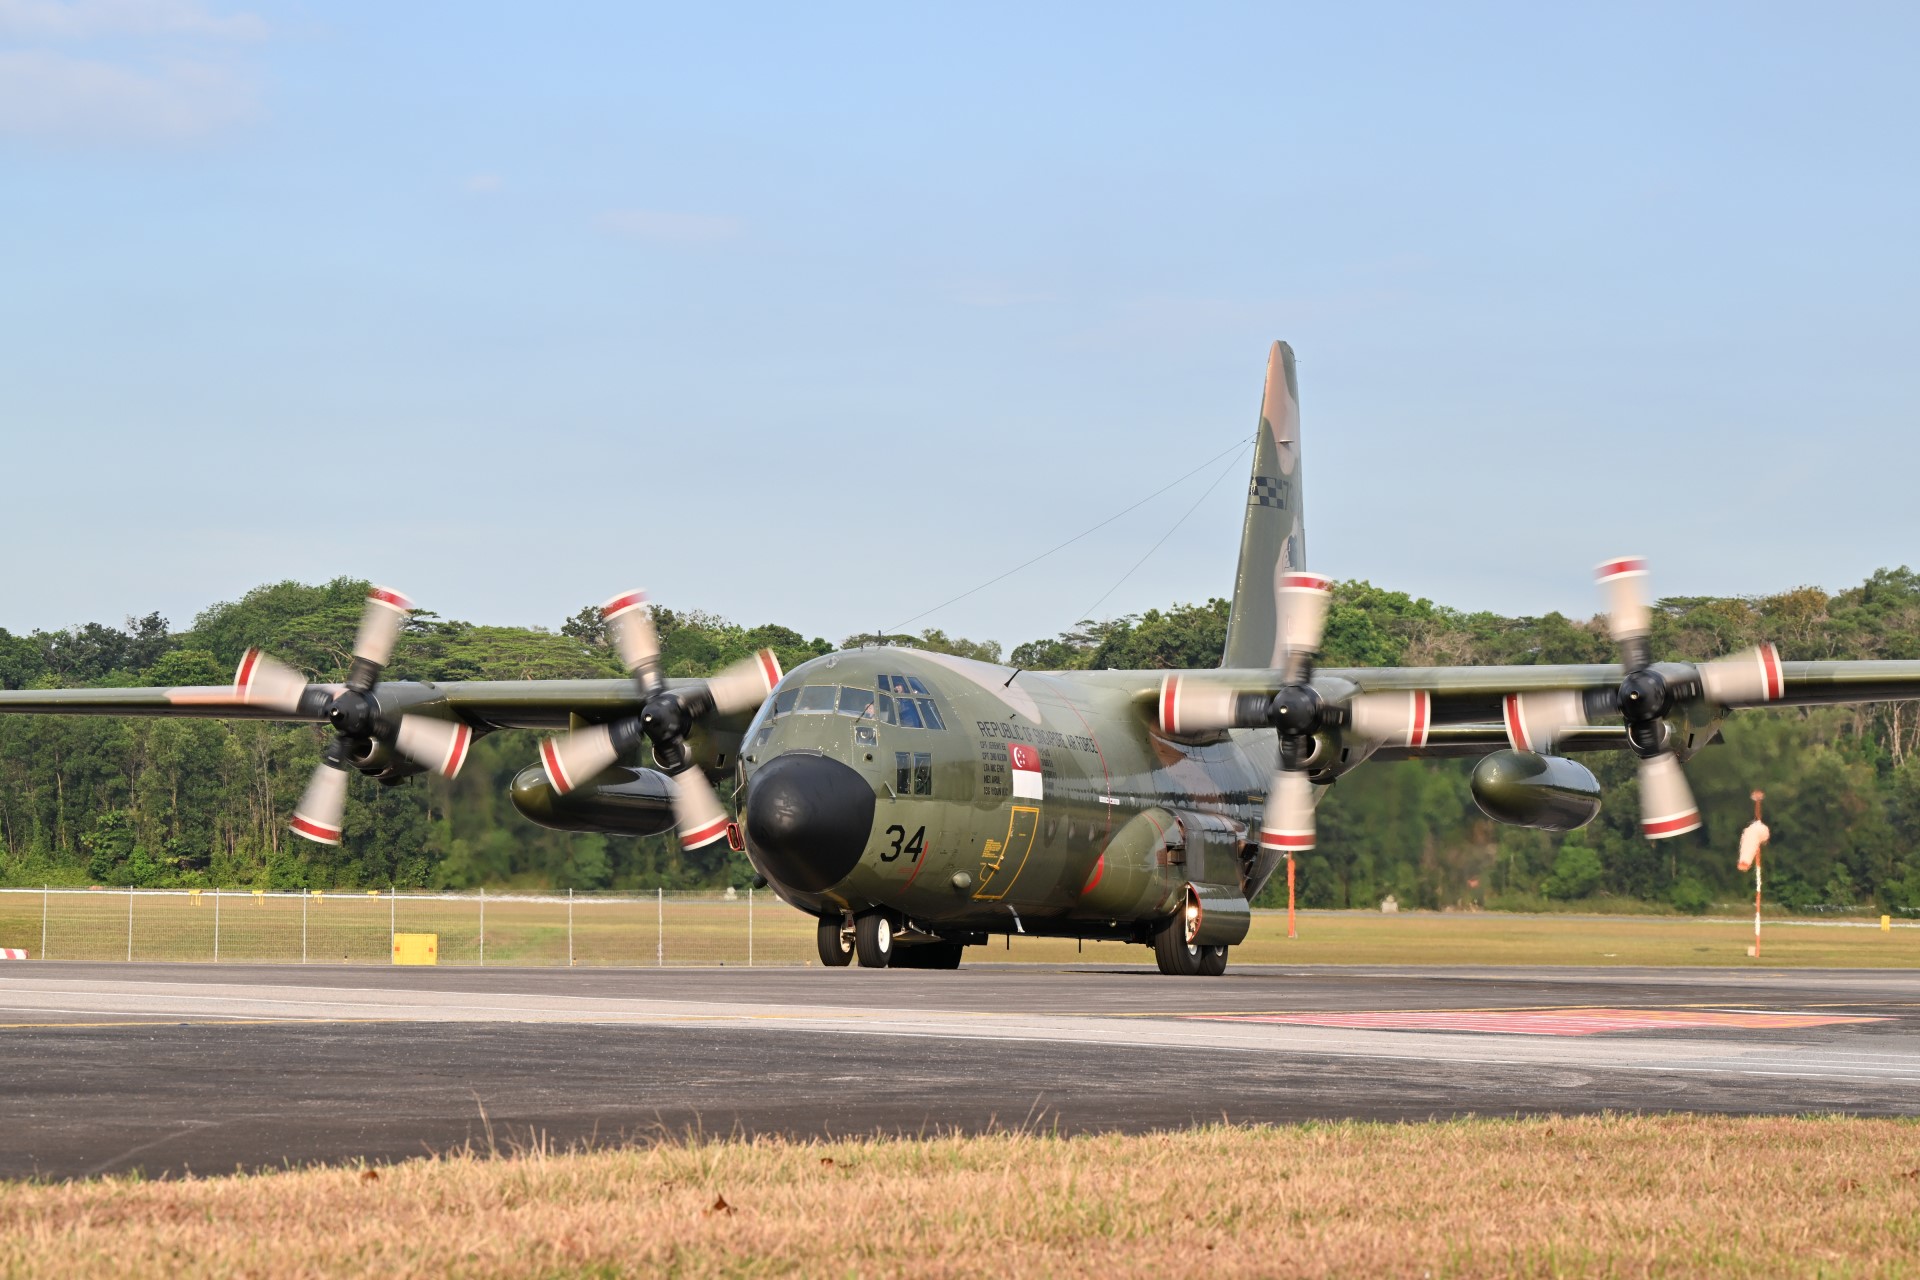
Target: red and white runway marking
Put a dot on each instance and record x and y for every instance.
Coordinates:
(1548, 1022)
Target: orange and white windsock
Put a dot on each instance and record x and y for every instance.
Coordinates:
(1752, 837)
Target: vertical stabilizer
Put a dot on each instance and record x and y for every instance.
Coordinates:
(1274, 539)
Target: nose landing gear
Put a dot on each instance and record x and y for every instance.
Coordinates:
(835, 941)
(873, 939)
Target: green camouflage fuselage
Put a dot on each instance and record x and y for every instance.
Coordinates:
(1100, 839)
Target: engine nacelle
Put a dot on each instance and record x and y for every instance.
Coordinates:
(1522, 789)
(632, 802)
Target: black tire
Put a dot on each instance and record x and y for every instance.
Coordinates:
(1213, 961)
(929, 955)
(836, 949)
(1172, 952)
(873, 939)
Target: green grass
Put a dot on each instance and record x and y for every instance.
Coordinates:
(1632, 1196)
(703, 930)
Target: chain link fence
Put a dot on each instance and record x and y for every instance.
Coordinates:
(556, 928)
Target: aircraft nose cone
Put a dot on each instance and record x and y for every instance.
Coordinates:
(808, 819)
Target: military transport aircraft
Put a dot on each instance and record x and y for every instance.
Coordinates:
(916, 803)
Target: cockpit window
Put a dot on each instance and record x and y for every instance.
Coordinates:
(817, 697)
(783, 701)
(909, 715)
(913, 685)
(929, 714)
(856, 702)
(886, 709)
(899, 684)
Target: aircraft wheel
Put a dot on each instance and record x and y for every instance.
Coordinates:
(1173, 953)
(1213, 961)
(873, 939)
(929, 955)
(836, 949)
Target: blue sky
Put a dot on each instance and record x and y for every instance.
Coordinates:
(824, 314)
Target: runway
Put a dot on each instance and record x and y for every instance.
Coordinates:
(175, 1068)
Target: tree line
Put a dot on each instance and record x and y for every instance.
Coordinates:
(87, 800)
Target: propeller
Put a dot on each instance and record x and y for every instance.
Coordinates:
(665, 718)
(1298, 711)
(361, 738)
(1648, 693)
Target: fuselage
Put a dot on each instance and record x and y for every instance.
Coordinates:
(1000, 801)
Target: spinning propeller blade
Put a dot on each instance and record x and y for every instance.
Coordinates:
(323, 807)
(666, 717)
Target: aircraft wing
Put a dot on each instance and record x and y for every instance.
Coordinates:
(481, 704)
(1804, 684)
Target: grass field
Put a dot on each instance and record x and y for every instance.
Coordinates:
(1593, 1196)
(643, 930)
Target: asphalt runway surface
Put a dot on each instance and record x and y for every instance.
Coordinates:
(173, 1068)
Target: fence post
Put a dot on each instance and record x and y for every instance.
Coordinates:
(216, 924)
(569, 926)
(305, 893)
(129, 924)
(44, 892)
(659, 927)
(483, 926)
(749, 926)
(393, 917)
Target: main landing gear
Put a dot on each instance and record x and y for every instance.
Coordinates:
(1177, 955)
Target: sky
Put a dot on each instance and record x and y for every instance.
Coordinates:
(826, 314)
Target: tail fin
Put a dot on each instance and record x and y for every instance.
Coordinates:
(1274, 539)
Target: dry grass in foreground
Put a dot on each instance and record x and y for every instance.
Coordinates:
(1613, 1196)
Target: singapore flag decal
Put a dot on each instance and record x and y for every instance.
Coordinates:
(1024, 762)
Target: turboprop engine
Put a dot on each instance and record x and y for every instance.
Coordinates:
(629, 802)
(1525, 789)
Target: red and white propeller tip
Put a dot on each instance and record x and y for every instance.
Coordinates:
(380, 625)
(630, 626)
(1623, 583)
(323, 807)
(1286, 820)
(1392, 719)
(440, 745)
(1538, 721)
(1301, 604)
(263, 682)
(1748, 678)
(1666, 801)
(572, 759)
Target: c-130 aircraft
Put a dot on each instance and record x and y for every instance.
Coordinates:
(916, 803)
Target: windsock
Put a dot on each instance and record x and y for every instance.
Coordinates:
(1751, 839)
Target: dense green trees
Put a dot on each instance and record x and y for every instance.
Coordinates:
(106, 801)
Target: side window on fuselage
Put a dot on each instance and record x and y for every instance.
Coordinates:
(922, 773)
(818, 698)
(902, 773)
